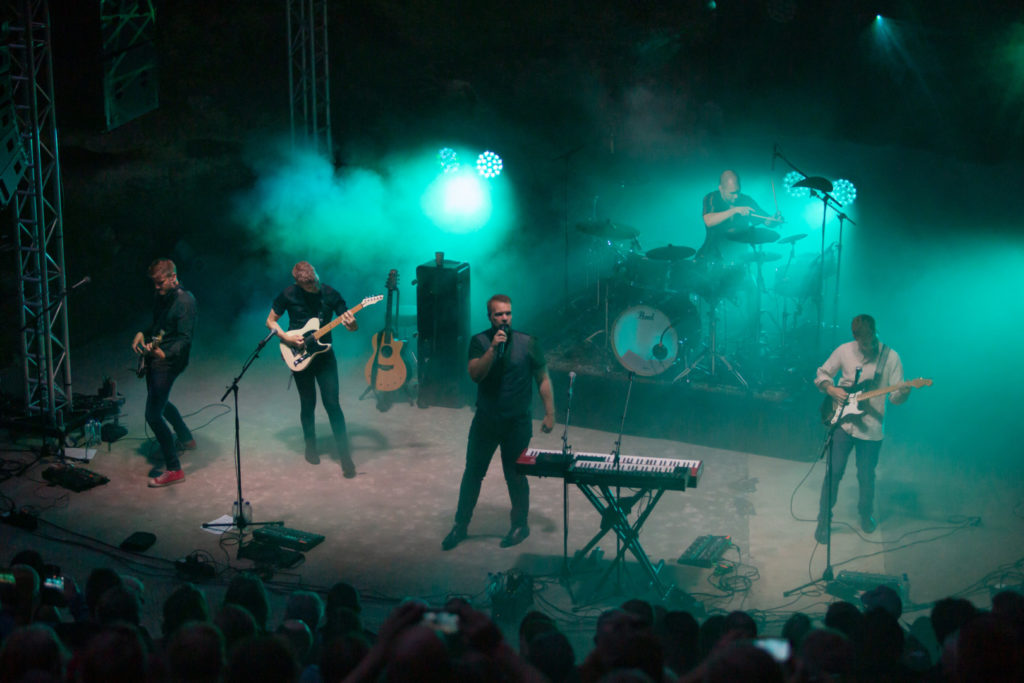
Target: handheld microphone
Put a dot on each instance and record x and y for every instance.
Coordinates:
(501, 345)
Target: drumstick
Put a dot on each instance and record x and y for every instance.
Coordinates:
(774, 197)
(767, 218)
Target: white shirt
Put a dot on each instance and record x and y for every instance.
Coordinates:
(845, 360)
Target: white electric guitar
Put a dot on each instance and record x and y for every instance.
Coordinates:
(833, 411)
(297, 358)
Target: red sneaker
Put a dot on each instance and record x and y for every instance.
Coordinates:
(185, 445)
(167, 478)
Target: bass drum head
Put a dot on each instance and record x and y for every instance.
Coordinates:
(639, 336)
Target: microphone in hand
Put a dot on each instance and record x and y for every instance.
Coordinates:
(500, 351)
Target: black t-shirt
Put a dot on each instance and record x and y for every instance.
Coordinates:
(301, 305)
(716, 245)
(507, 389)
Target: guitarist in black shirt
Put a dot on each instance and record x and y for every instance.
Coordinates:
(174, 320)
(307, 299)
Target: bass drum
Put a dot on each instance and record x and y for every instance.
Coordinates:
(644, 340)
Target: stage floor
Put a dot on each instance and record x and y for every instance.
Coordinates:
(383, 529)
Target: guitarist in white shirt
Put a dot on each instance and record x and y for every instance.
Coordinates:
(306, 299)
(863, 360)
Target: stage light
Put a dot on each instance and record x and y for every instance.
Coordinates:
(844, 191)
(448, 160)
(788, 181)
(489, 164)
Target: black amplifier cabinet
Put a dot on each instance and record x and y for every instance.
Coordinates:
(442, 324)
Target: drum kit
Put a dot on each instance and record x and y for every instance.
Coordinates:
(652, 300)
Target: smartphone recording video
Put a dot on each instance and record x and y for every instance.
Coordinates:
(439, 620)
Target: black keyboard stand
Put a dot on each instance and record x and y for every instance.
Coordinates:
(615, 512)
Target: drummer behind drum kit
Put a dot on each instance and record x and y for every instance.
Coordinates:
(655, 294)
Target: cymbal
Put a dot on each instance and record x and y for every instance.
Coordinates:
(789, 239)
(671, 253)
(752, 235)
(815, 182)
(608, 230)
(761, 257)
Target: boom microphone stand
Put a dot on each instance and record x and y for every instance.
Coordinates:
(238, 512)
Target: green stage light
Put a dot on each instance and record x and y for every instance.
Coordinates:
(844, 191)
(489, 165)
(448, 160)
(791, 178)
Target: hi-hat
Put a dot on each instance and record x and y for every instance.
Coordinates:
(608, 230)
(752, 235)
(790, 239)
(815, 182)
(671, 253)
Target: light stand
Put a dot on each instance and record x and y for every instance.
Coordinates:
(238, 517)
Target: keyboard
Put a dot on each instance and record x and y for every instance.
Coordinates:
(633, 471)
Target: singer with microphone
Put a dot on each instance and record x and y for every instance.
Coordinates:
(166, 343)
(504, 363)
(861, 364)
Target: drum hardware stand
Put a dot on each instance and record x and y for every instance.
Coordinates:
(239, 520)
(710, 352)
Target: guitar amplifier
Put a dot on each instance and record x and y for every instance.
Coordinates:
(442, 325)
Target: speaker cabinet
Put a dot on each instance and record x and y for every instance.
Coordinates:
(442, 324)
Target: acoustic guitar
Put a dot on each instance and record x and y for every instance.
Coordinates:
(833, 411)
(386, 371)
(297, 358)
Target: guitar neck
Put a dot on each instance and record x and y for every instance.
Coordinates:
(880, 392)
(337, 321)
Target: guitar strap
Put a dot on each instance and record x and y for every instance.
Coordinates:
(883, 356)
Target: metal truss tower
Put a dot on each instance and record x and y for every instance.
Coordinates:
(43, 318)
(128, 51)
(308, 78)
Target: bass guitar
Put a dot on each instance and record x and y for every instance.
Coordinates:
(832, 411)
(297, 358)
(386, 371)
(154, 343)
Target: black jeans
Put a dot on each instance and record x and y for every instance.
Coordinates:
(486, 434)
(867, 461)
(322, 370)
(159, 411)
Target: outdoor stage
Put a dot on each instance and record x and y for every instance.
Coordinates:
(383, 529)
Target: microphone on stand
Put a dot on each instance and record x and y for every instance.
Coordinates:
(572, 378)
(775, 153)
(84, 281)
(856, 377)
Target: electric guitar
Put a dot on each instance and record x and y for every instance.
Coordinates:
(144, 357)
(297, 358)
(832, 411)
(386, 371)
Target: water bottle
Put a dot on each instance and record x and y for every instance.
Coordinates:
(247, 512)
(92, 432)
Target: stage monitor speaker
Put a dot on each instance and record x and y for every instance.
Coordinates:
(442, 324)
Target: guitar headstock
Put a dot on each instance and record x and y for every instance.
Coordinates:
(920, 382)
(371, 300)
(392, 283)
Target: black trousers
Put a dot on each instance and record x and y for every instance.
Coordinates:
(485, 435)
(159, 411)
(867, 460)
(322, 370)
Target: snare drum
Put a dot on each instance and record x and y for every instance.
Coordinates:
(644, 340)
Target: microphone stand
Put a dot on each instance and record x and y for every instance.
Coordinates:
(566, 459)
(615, 465)
(238, 517)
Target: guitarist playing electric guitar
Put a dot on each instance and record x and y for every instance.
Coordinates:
(304, 300)
(863, 360)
